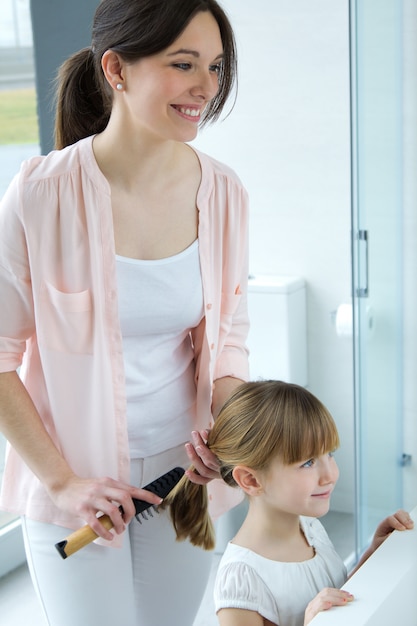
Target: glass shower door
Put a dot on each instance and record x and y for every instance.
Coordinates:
(376, 87)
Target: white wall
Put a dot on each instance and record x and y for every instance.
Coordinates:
(288, 139)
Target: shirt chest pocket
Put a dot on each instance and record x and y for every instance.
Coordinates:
(66, 323)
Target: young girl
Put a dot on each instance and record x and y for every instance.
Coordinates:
(275, 441)
(123, 278)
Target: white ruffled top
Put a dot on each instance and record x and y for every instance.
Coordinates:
(276, 590)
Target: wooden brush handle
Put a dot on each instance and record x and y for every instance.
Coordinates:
(160, 486)
(81, 537)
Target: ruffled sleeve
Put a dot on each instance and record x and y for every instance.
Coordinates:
(238, 586)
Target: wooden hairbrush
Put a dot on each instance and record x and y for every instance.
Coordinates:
(83, 536)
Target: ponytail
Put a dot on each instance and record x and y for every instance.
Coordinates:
(188, 504)
(82, 106)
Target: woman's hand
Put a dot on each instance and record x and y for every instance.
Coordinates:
(324, 600)
(22, 426)
(205, 463)
(206, 466)
(88, 497)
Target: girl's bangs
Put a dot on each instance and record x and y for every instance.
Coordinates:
(311, 438)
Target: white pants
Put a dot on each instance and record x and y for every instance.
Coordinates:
(153, 580)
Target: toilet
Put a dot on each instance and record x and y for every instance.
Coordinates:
(277, 345)
(277, 338)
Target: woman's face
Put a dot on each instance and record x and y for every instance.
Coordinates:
(166, 94)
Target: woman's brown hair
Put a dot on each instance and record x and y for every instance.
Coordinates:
(135, 29)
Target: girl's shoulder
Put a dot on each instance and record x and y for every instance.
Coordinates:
(246, 560)
(314, 530)
(238, 584)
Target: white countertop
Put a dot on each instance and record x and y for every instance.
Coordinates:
(385, 587)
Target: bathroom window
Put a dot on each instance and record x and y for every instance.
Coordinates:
(19, 140)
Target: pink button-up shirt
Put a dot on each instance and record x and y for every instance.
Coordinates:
(59, 316)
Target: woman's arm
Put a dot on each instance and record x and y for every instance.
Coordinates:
(223, 389)
(204, 462)
(23, 427)
(231, 366)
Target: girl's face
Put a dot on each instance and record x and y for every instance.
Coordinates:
(166, 94)
(301, 488)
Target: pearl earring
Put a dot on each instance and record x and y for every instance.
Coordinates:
(119, 87)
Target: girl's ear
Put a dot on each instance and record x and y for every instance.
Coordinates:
(247, 480)
(113, 69)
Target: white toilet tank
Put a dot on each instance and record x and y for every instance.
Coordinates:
(278, 328)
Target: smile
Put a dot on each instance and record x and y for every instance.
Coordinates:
(188, 111)
(325, 494)
(192, 112)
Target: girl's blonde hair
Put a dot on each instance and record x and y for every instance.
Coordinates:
(261, 421)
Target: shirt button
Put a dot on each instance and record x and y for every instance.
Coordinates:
(209, 306)
(212, 346)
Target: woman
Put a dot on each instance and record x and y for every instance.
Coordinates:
(123, 266)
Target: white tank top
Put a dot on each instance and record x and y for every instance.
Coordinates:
(159, 303)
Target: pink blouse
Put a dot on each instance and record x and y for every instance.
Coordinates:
(59, 317)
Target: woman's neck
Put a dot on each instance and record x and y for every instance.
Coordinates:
(131, 162)
(154, 187)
